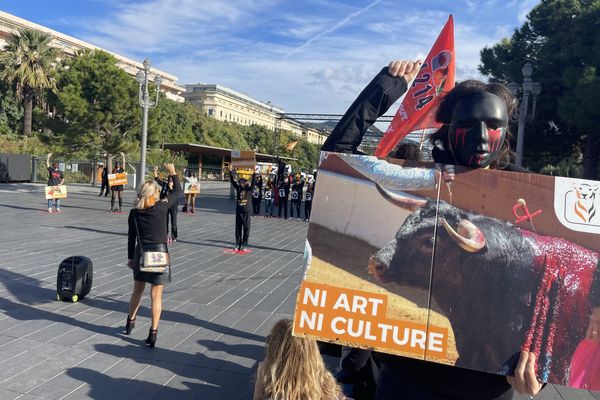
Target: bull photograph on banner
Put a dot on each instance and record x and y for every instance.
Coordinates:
(467, 274)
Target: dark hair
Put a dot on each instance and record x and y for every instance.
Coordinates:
(466, 88)
(408, 151)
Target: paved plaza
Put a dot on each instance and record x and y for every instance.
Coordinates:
(216, 312)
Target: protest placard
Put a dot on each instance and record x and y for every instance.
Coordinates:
(466, 274)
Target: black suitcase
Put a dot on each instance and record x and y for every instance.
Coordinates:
(74, 278)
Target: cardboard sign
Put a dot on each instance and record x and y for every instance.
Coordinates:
(117, 179)
(243, 160)
(56, 192)
(468, 274)
(189, 188)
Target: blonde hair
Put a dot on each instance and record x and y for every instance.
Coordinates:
(148, 194)
(293, 368)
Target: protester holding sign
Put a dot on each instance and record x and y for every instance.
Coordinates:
(167, 187)
(191, 185)
(269, 198)
(257, 195)
(310, 191)
(474, 133)
(283, 191)
(147, 231)
(117, 190)
(297, 189)
(242, 210)
(55, 178)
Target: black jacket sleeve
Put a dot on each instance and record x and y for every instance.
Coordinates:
(373, 102)
(177, 192)
(233, 182)
(131, 235)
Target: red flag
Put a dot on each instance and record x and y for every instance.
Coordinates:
(435, 78)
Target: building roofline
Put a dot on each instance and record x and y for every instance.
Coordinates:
(13, 19)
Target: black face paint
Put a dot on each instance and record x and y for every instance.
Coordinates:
(478, 129)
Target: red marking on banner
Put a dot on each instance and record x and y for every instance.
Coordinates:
(526, 216)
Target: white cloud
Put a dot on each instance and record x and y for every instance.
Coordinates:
(306, 56)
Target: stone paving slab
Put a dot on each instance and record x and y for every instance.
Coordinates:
(216, 312)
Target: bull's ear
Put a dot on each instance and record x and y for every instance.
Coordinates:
(468, 236)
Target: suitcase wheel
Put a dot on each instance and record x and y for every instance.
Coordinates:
(74, 298)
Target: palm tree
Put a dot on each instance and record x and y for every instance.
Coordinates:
(27, 61)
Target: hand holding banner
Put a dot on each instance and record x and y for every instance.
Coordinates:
(435, 78)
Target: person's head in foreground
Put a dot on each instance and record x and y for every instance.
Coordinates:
(243, 182)
(148, 195)
(475, 118)
(293, 369)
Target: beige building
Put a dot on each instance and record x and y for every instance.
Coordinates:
(9, 24)
(228, 105)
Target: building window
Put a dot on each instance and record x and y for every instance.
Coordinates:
(210, 112)
(221, 113)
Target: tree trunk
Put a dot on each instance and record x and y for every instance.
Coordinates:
(27, 111)
(590, 157)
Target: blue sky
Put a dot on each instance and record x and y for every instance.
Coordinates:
(305, 56)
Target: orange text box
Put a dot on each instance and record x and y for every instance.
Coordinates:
(353, 316)
(117, 179)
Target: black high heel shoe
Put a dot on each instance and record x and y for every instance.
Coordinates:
(152, 337)
(129, 326)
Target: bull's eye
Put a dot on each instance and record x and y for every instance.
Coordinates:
(427, 243)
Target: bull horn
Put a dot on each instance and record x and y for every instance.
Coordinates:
(407, 203)
(469, 236)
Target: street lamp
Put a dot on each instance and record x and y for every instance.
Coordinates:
(142, 78)
(528, 88)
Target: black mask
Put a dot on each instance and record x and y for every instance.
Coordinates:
(478, 129)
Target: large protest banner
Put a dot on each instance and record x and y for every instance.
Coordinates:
(467, 274)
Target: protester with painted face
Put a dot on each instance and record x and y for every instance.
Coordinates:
(243, 191)
(475, 134)
(117, 190)
(167, 187)
(55, 178)
(269, 198)
(297, 189)
(283, 191)
(310, 192)
(257, 195)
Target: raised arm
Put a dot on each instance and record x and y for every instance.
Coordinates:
(48, 160)
(375, 99)
(123, 159)
(156, 178)
(232, 180)
(177, 192)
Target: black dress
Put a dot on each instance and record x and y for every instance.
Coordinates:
(152, 226)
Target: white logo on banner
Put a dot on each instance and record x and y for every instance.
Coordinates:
(576, 204)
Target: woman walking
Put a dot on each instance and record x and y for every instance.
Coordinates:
(147, 227)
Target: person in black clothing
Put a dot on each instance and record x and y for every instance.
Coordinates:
(283, 190)
(148, 218)
(242, 210)
(310, 191)
(297, 189)
(166, 188)
(55, 178)
(117, 190)
(475, 134)
(257, 195)
(269, 198)
(104, 186)
(358, 373)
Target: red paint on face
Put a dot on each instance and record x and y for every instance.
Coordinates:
(494, 136)
(460, 133)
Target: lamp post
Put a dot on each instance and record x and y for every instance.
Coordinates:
(528, 88)
(142, 78)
